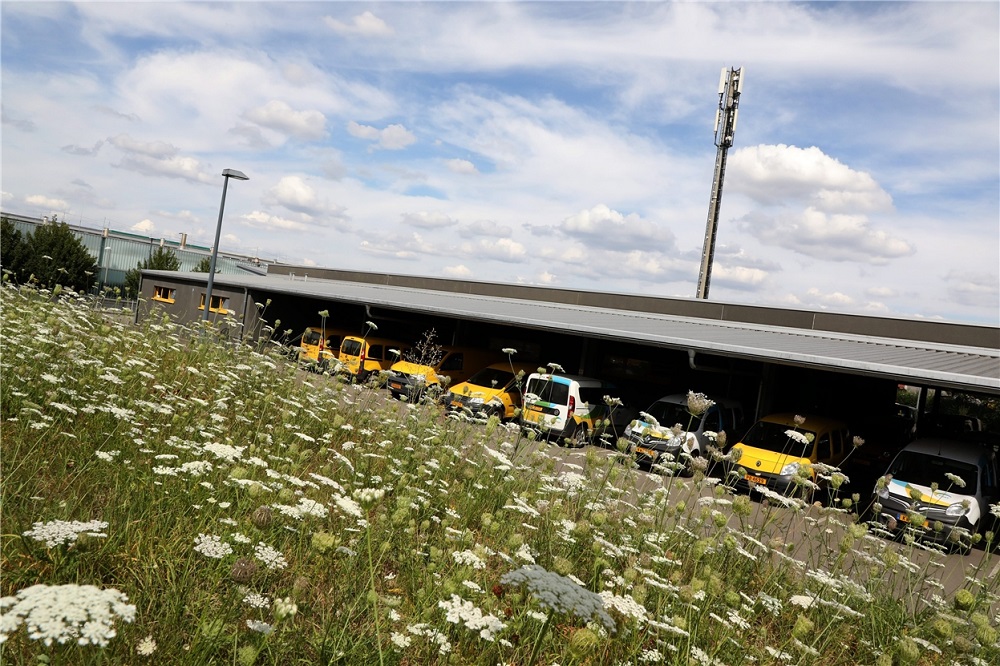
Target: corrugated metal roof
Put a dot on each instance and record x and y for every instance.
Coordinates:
(948, 366)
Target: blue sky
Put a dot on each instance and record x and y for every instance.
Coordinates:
(551, 143)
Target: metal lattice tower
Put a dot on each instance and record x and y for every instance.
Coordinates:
(730, 87)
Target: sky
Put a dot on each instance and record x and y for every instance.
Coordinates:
(560, 144)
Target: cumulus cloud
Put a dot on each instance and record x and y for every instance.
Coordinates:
(773, 175)
(461, 166)
(261, 220)
(428, 220)
(501, 249)
(835, 299)
(46, 203)
(393, 137)
(601, 226)
(155, 149)
(144, 227)
(459, 271)
(833, 237)
(365, 24)
(158, 158)
(485, 228)
(279, 116)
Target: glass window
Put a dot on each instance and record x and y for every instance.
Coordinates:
(165, 294)
(549, 391)
(824, 447)
(454, 361)
(924, 469)
(351, 347)
(772, 437)
(375, 352)
(220, 304)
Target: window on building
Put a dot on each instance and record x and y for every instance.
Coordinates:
(164, 294)
(220, 304)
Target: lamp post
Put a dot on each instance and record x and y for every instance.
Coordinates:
(226, 175)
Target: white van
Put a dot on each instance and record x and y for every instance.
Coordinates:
(561, 407)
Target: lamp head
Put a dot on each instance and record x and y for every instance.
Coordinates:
(233, 173)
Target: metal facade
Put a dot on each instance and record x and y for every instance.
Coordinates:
(972, 367)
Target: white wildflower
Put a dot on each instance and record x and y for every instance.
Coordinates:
(82, 614)
(272, 558)
(464, 612)
(212, 546)
(146, 646)
(60, 532)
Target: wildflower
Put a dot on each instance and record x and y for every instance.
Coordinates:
(83, 614)
(802, 600)
(560, 594)
(260, 627)
(146, 646)
(858, 442)
(285, 608)
(272, 559)
(465, 612)
(255, 600)
(243, 571)
(212, 546)
(955, 479)
(324, 313)
(698, 403)
(60, 532)
(468, 558)
(555, 367)
(400, 640)
(797, 436)
(371, 325)
(799, 420)
(510, 351)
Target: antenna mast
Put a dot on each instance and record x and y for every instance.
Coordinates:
(730, 87)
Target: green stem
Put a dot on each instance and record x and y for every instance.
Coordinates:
(371, 576)
(538, 639)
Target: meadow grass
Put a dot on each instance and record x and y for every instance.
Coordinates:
(252, 513)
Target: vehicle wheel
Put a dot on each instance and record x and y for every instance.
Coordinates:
(579, 437)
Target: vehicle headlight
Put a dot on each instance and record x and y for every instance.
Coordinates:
(957, 509)
(882, 492)
(628, 430)
(790, 469)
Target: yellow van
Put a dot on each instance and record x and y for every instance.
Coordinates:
(494, 390)
(320, 346)
(411, 378)
(360, 357)
(778, 447)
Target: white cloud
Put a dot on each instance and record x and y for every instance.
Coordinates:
(485, 228)
(826, 299)
(393, 137)
(279, 116)
(365, 24)
(817, 234)
(144, 227)
(501, 249)
(602, 227)
(46, 203)
(160, 150)
(428, 220)
(261, 220)
(459, 271)
(461, 166)
(977, 289)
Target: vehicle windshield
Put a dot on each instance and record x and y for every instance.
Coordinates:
(548, 390)
(351, 347)
(492, 378)
(668, 414)
(311, 338)
(771, 437)
(924, 469)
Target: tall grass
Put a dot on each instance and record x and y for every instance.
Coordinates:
(256, 514)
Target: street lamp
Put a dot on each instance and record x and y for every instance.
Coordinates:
(226, 175)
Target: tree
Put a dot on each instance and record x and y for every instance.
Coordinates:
(56, 255)
(204, 265)
(13, 250)
(163, 259)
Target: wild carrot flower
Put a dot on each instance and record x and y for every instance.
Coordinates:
(955, 479)
(212, 546)
(272, 558)
(560, 594)
(698, 403)
(83, 614)
(460, 611)
(146, 646)
(60, 532)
